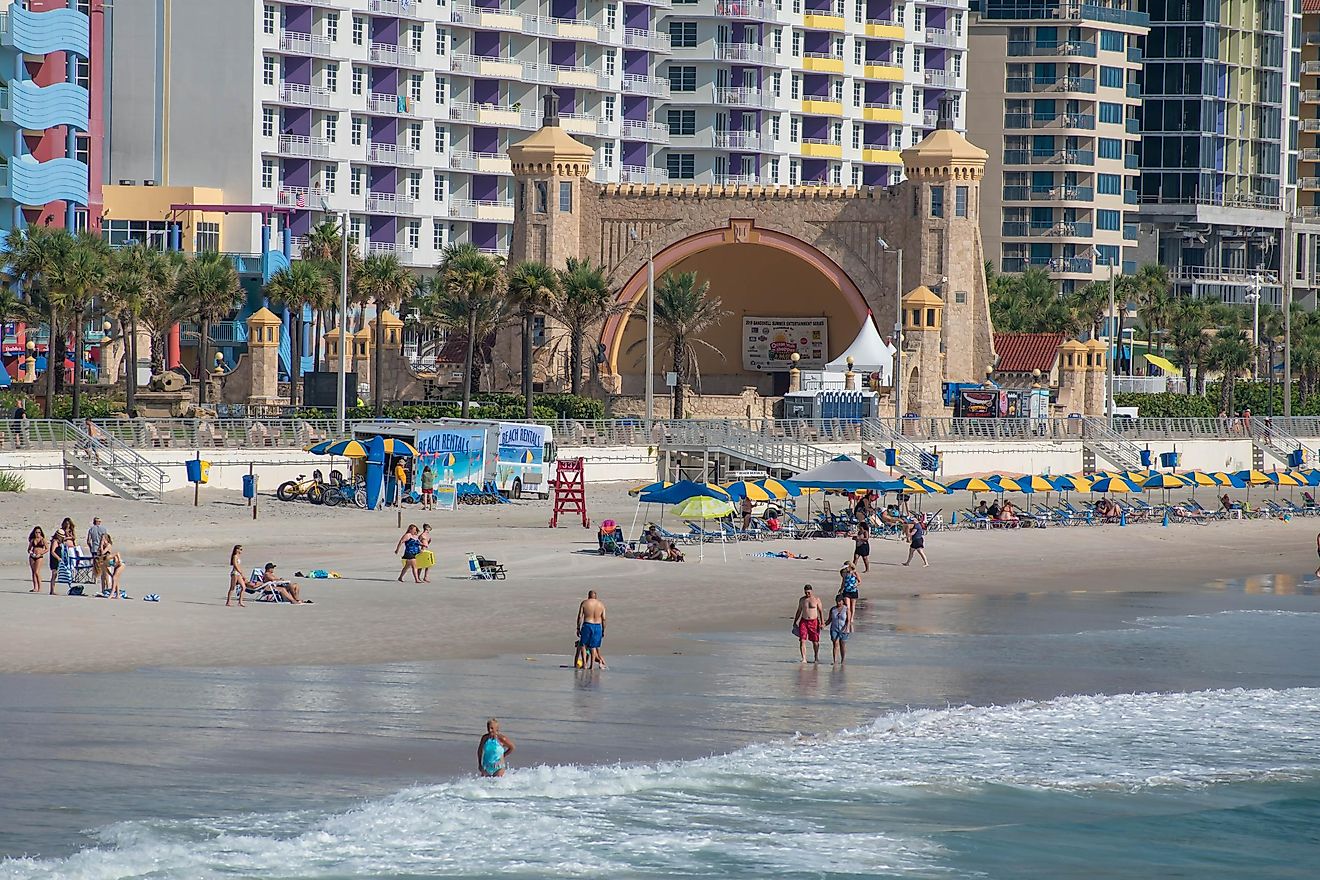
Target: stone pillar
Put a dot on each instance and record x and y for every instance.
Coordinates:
(333, 339)
(1072, 377)
(923, 362)
(264, 357)
(1096, 352)
(849, 377)
(361, 355)
(794, 374)
(393, 344)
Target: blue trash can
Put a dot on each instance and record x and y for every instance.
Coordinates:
(249, 486)
(193, 468)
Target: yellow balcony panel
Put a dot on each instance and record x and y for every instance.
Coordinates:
(826, 64)
(494, 165)
(884, 157)
(823, 22)
(503, 21)
(497, 213)
(883, 71)
(822, 150)
(578, 125)
(505, 118)
(571, 31)
(882, 114)
(886, 31)
(586, 79)
(500, 69)
(822, 108)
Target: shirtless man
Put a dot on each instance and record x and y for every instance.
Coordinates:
(806, 623)
(591, 632)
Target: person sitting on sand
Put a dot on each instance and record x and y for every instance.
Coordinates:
(271, 580)
(493, 751)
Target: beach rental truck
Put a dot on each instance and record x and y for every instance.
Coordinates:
(519, 457)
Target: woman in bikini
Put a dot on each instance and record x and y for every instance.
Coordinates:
(412, 545)
(237, 580)
(112, 568)
(37, 548)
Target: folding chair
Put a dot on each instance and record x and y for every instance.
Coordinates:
(477, 570)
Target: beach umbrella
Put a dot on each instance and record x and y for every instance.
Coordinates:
(779, 488)
(1253, 477)
(1114, 484)
(971, 484)
(1037, 482)
(747, 489)
(346, 448)
(1200, 478)
(321, 448)
(1073, 483)
(1164, 481)
(1310, 476)
(399, 448)
(683, 490)
(1285, 478)
(704, 507)
(649, 487)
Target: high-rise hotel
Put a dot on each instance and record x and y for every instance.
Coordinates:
(400, 111)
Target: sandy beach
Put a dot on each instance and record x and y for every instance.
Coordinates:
(181, 553)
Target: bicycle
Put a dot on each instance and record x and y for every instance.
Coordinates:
(313, 489)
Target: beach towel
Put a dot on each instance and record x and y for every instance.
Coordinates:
(782, 554)
(318, 573)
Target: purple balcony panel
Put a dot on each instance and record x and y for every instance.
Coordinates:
(486, 91)
(816, 86)
(563, 9)
(633, 153)
(937, 17)
(563, 53)
(384, 180)
(486, 44)
(488, 4)
(301, 221)
(816, 41)
(385, 80)
(636, 62)
(384, 130)
(485, 187)
(485, 235)
(385, 30)
(298, 19)
(298, 71)
(746, 77)
(297, 120)
(880, 10)
(297, 172)
(815, 127)
(568, 100)
(485, 140)
(636, 109)
(636, 16)
(935, 58)
(814, 170)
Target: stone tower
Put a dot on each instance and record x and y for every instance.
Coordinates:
(1072, 377)
(946, 171)
(1095, 378)
(333, 339)
(360, 356)
(923, 362)
(548, 169)
(264, 357)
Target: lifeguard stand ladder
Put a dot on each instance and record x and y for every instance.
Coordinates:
(570, 485)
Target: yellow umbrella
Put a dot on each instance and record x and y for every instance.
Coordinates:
(1074, 483)
(703, 507)
(1037, 483)
(1285, 478)
(399, 448)
(1254, 478)
(972, 484)
(750, 489)
(778, 489)
(1200, 478)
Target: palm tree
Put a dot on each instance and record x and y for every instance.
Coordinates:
(161, 308)
(385, 282)
(684, 313)
(585, 301)
(125, 290)
(469, 294)
(34, 252)
(301, 285)
(532, 288)
(324, 249)
(208, 284)
(77, 280)
(1187, 323)
(1231, 354)
(1089, 305)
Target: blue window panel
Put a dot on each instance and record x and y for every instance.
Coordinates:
(1111, 148)
(1108, 184)
(1108, 220)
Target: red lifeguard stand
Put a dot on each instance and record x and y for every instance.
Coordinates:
(570, 485)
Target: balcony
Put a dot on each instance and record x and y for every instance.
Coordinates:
(390, 105)
(1058, 49)
(390, 154)
(1132, 126)
(514, 116)
(297, 43)
(480, 65)
(306, 96)
(32, 183)
(1062, 229)
(1083, 121)
(822, 62)
(571, 75)
(1134, 90)
(642, 174)
(395, 56)
(929, 118)
(486, 163)
(1129, 232)
(822, 106)
(738, 140)
(740, 180)
(303, 146)
(882, 70)
(1131, 161)
(41, 33)
(298, 197)
(487, 19)
(636, 38)
(752, 9)
(497, 210)
(881, 155)
(1309, 125)
(816, 148)
(751, 52)
(941, 78)
(1134, 55)
(389, 203)
(935, 36)
(885, 29)
(1311, 67)
(1049, 194)
(638, 84)
(390, 248)
(1309, 154)
(581, 29)
(1076, 85)
(1129, 197)
(1311, 96)
(744, 98)
(1062, 157)
(25, 104)
(1059, 265)
(641, 130)
(823, 21)
(584, 124)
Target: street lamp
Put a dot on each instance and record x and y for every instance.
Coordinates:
(898, 335)
(341, 402)
(1254, 299)
(650, 325)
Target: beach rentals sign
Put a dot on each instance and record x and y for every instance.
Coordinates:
(456, 455)
(770, 343)
(521, 453)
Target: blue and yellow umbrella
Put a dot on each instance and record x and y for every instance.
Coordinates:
(1114, 483)
(649, 487)
(342, 448)
(779, 489)
(1165, 481)
(1073, 483)
(399, 448)
(1285, 478)
(972, 484)
(748, 489)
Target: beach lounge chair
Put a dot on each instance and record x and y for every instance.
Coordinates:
(495, 569)
(265, 591)
(688, 538)
(707, 535)
(800, 528)
(477, 571)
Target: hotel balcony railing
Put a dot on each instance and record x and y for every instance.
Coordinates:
(569, 28)
(930, 118)
(585, 123)
(1311, 96)
(1064, 265)
(306, 96)
(1061, 157)
(1129, 232)
(641, 130)
(1309, 183)
(753, 9)
(303, 146)
(1311, 67)
(1309, 154)
(639, 84)
(306, 44)
(41, 33)
(515, 116)
(405, 254)
(815, 56)
(744, 97)
(738, 140)
(752, 52)
(739, 179)
(482, 209)
(296, 197)
(390, 154)
(393, 105)
(389, 203)
(392, 7)
(1049, 194)
(636, 38)
(1085, 121)
(943, 78)
(642, 174)
(935, 36)
(1060, 229)
(490, 163)
(1308, 125)
(36, 108)
(1081, 84)
(1065, 48)
(388, 53)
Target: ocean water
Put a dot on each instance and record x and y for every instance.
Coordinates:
(1134, 776)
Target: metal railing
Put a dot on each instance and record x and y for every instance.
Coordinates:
(774, 452)
(113, 462)
(1110, 444)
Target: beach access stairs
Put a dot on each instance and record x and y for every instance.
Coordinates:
(112, 463)
(1268, 438)
(910, 459)
(1099, 441)
(739, 448)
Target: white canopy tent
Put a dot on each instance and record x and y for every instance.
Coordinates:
(869, 352)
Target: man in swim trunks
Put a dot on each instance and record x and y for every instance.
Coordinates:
(492, 751)
(591, 630)
(806, 623)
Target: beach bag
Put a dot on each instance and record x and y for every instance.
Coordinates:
(425, 559)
